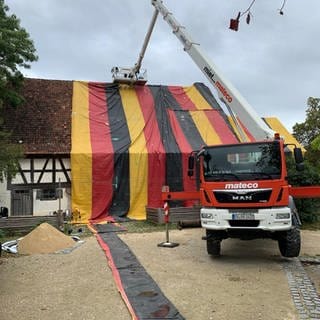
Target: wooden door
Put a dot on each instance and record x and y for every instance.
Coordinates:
(21, 203)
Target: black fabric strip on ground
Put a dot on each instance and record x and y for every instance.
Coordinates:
(108, 227)
(144, 294)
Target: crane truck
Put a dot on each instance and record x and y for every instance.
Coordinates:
(243, 187)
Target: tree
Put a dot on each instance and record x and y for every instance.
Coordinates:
(308, 132)
(16, 51)
(309, 209)
(315, 144)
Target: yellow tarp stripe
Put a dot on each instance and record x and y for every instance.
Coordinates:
(138, 155)
(204, 126)
(196, 97)
(278, 127)
(81, 153)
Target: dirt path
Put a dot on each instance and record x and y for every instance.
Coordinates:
(247, 282)
(242, 284)
(78, 285)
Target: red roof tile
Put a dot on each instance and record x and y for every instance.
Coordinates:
(43, 122)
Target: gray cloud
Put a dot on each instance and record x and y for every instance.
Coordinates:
(274, 62)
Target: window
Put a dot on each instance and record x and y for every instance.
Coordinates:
(49, 194)
(250, 161)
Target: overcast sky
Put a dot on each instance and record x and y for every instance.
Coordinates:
(274, 62)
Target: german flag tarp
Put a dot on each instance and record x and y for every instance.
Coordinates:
(127, 142)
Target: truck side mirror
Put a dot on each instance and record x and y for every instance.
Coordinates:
(190, 166)
(298, 157)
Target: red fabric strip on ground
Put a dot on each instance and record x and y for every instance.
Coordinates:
(116, 276)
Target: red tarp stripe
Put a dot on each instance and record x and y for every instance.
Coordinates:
(102, 152)
(219, 124)
(156, 151)
(188, 184)
(181, 97)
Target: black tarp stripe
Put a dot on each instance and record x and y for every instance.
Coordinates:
(174, 175)
(143, 293)
(207, 95)
(121, 141)
(186, 122)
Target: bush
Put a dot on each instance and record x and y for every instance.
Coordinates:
(309, 209)
(2, 234)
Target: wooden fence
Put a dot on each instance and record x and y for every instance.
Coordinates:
(176, 215)
(24, 224)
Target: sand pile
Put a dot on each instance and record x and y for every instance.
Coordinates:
(44, 239)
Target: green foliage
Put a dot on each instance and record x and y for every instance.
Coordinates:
(308, 133)
(3, 235)
(146, 226)
(9, 155)
(308, 130)
(309, 209)
(315, 144)
(16, 51)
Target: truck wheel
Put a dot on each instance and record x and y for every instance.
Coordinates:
(214, 247)
(290, 243)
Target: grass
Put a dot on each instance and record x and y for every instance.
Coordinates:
(145, 226)
(133, 226)
(80, 230)
(315, 226)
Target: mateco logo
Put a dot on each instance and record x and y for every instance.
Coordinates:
(241, 185)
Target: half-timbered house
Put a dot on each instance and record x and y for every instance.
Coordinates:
(42, 126)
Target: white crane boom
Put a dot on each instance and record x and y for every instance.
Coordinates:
(135, 75)
(237, 105)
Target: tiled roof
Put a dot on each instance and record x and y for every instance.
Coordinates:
(43, 123)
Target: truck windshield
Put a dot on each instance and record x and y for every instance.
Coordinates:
(254, 161)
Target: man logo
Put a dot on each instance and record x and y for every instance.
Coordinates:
(242, 198)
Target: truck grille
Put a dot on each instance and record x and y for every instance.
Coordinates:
(243, 196)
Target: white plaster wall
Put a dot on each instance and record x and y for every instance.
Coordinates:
(43, 208)
(5, 195)
(40, 208)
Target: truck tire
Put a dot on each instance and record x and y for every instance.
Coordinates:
(290, 243)
(214, 247)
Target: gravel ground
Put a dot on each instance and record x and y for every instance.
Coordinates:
(247, 282)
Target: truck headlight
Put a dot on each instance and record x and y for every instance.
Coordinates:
(206, 215)
(283, 215)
